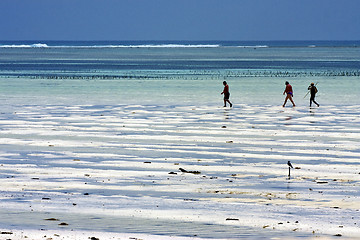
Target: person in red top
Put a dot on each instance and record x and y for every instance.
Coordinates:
(226, 94)
(289, 93)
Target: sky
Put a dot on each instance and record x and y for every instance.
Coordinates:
(193, 20)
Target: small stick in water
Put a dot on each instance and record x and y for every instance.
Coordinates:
(290, 166)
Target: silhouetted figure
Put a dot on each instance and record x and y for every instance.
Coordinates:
(226, 94)
(313, 90)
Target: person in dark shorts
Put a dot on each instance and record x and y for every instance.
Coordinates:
(313, 91)
(226, 94)
(289, 93)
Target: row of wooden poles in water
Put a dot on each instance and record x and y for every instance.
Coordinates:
(188, 75)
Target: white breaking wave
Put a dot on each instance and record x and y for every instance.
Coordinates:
(42, 45)
(36, 45)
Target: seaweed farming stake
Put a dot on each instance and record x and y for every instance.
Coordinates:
(290, 166)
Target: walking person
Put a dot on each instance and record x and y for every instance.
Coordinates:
(289, 93)
(313, 91)
(226, 94)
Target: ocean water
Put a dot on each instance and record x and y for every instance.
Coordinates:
(90, 132)
(178, 72)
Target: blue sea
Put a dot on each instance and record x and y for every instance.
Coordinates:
(171, 72)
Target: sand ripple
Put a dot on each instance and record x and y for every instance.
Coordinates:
(113, 162)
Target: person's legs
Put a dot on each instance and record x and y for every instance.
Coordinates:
(311, 100)
(291, 100)
(226, 99)
(316, 103)
(286, 98)
(229, 102)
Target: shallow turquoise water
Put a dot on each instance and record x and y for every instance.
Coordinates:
(179, 75)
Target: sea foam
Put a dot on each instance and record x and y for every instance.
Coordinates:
(42, 45)
(36, 45)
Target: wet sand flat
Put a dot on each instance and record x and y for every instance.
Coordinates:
(183, 171)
